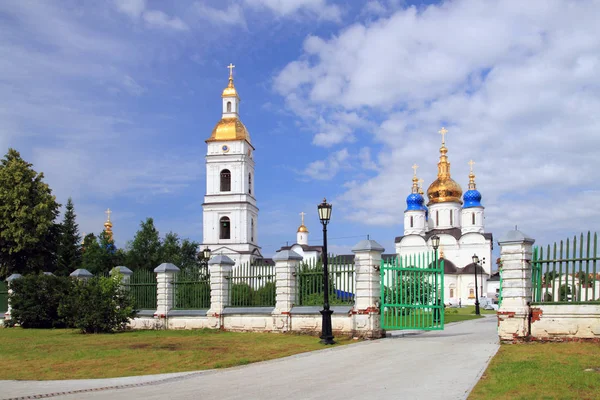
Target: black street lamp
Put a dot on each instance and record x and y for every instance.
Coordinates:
(326, 331)
(204, 257)
(435, 242)
(475, 264)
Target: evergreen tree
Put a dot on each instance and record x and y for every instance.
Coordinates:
(28, 209)
(144, 251)
(91, 254)
(69, 248)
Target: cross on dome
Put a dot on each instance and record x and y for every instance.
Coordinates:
(231, 67)
(302, 215)
(471, 163)
(443, 132)
(108, 212)
(414, 167)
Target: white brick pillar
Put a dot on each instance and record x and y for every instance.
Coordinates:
(220, 268)
(165, 273)
(81, 274)
(286, 265)
(125, 274)
(513, 315)
(9, 281)
(367, 262)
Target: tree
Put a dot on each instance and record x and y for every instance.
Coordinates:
(69, 247)
(91, 254)
(28, 210)
(144, 251)
(100, 254)
(183, 253)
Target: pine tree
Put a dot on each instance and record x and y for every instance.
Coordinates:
(144, 251)
(69, 248)
(28, 209)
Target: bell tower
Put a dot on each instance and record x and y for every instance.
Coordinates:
(230, 214)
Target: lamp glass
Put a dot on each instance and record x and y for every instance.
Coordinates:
(206, 253)
(324, 211)
(475, 259)
(435, 241)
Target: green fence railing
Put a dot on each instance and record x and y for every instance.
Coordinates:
(191, 290)
(341, 281)
(567, 271)
(252, 285)
(3, 298)
(142, 287)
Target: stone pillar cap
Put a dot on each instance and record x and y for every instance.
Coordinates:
(47, 273)
(221, 259)
(81, 273)
(13, 277)
(166, 267)
(367, 245)
(515, 236)
(286, 255)
(121, 269)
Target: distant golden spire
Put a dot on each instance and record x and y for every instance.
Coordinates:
(302, 227)
(230, 89)
(444, 188)
(421, 186)
(108, 225)
(471, 176)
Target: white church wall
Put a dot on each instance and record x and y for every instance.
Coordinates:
(445, 215)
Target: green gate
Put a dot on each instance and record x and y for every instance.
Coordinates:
(3, 298)
(412, 292)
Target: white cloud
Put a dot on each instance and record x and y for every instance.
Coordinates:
(315, 8)
(133, 8)
(516, 84)
(232, 15)
(328, 168)
(136, 9)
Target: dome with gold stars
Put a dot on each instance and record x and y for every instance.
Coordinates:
(444, 189)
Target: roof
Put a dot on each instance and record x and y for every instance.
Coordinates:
(454, 232)
(470, 269)
(305, 247)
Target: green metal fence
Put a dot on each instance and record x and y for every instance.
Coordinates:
(341, 281)
(142, 287)
(191, 290)
(412, 292)
(3, 297)
(252, 285)
(566, 272)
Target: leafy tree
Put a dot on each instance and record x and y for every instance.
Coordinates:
(188, 254)
(550, 276)
(144, 251)
(28, 209)
(69, 247)
(100, 254)
(183, 253)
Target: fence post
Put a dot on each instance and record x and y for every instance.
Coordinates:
(220, 268)
(286, 264)
(513, 315)
(9, 281)
(367, 262)
(125, 274)
(164, 290)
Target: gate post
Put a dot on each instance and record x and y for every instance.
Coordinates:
(9, 281)
(513, 315)
(220, 268)
(286, 263)
(165, 273)
(367, 262)
(125, 274)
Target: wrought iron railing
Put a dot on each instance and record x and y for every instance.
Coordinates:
(191, 290)
(142, 288)
(567, 271)
(252, 285)
(341, 281)
(3, 297)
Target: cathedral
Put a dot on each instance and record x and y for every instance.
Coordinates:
(458, 220)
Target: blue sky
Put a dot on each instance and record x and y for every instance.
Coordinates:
(113, 102)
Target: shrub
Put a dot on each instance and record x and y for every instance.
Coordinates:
(35, 300)
(265, 296)
(241, 294)
(97, 305)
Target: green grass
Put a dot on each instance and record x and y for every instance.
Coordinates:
(66, 354)
(542, 371)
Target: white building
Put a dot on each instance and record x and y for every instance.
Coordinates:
(230, 214)
(459, 223)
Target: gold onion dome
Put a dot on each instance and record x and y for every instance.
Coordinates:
(302, 227)
(444, 189)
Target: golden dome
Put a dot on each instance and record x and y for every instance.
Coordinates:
(444, 189)
(303, 228)
(230, 91)
(229, 129)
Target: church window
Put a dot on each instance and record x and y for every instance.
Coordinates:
(252, 230)
(451, 292)
(228, 106)
(411, 221)
(225, 228)
(250, 183)
(473, 218)
(451, 217)
(437, 218)
(225, 181)
(471, 293)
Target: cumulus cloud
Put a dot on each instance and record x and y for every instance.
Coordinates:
(321, 9)
(516, 85)
(232, 15)
(136, 9)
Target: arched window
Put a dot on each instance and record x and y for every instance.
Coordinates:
(471, 293)
(451, 292)
(250, 182)
(473, 218)
(252, 230)
(225, 181)
(225, 228)
(437, 218)
(228, 106)
(451, 217)
(411, 221)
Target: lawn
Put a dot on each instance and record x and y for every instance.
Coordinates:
(66, 354)
(542, 371)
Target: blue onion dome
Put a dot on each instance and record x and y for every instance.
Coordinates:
(472, 198)
(414, 202)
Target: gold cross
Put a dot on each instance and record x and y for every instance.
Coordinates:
(443, 132)
(302, 215)
(414, 167)
(421, 182)
(231, 67)
(471, 163)
(108, 212)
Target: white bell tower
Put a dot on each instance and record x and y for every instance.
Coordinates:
(230, 214)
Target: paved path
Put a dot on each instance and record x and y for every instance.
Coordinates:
(430, 365)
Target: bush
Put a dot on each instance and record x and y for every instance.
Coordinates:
(98, 305)
(241, 294)
(35, 300)
(265, 296)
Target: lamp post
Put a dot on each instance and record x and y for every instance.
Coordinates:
(476, 263)
(481, 277)
(326, 331)
(204, 257)
(435, 242)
